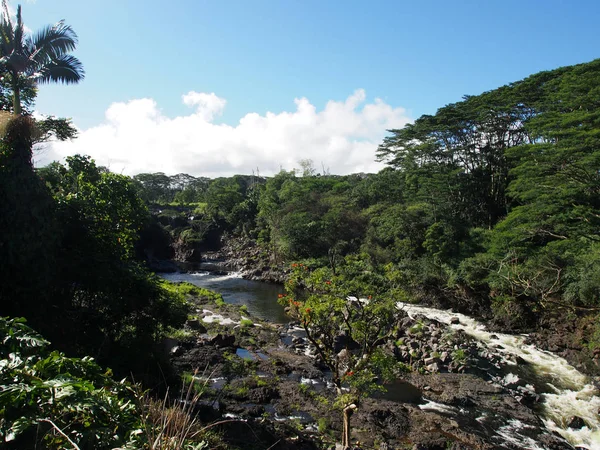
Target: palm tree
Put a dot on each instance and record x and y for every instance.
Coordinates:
(27, 60)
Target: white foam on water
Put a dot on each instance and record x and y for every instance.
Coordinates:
(511, 433)
(434, 406)
(211, 317)
(573, 394)
(229, 276)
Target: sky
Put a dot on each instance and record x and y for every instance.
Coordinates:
(215, 88)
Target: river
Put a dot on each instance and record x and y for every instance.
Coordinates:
(566, 392)
(260, 298)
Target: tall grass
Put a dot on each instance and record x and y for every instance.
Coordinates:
(173, 426)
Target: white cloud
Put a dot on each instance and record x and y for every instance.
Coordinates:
(137, 137)
(207, 105)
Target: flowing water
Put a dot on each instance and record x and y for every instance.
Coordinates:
(260, 298)
(565, 391)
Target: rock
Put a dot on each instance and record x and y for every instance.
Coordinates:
(263, 394)
(454, 321)
(577, 423)
(342, 341)
(434, 368)
(208, 410)
(195, 324)
(445, 357)
(223, 341)
(163, 266)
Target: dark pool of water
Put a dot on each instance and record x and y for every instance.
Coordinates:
(260, 298)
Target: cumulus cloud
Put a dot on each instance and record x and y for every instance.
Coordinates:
(137, 137)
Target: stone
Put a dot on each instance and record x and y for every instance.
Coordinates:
(577, 423)
(223, 341)
(430, 360)
(434, 368)
(196, 325)
(455, 321)
(445, 357)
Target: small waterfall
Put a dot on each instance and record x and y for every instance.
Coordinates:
(567, 392)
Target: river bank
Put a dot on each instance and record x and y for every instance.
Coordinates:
(460, 393)
(547, 329)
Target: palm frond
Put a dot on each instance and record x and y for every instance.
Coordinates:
(19, 31)
(6, 13)
(65, 69)
(6, 37)
(52, 42)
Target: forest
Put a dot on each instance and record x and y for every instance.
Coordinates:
(492, 201)
(490, 206)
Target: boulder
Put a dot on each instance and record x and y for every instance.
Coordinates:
(223, 341)
(196, 325)
(577, 423)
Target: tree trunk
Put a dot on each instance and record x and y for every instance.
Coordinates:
(16, 95)
(348, 411)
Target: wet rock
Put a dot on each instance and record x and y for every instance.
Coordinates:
(163, 266)
(196, 325)
(455, 321)
(445, 357)
(577, 423)
(263, 394)
(208, 410)
(223, 341)
(177, 350)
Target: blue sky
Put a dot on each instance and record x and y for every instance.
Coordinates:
(258, 56)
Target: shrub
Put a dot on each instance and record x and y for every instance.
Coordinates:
(48, 398)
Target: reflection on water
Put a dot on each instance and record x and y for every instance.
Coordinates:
(260, 298)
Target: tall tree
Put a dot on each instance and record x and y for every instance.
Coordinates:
(43, 57)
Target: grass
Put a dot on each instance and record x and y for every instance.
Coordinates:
(459, 355)
(181, 334)
(184, 290)
(246, 323)
(173, 426)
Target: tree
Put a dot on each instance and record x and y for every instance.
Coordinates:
(41, 58)
(347, 316)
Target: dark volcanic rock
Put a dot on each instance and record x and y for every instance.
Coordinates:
(263, 394)
(577, 423)
(223, 341)
(196, 325)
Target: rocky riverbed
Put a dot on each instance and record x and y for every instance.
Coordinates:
(266, 381)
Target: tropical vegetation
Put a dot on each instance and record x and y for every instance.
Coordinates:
(490, 205)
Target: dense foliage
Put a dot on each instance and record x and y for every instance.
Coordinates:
(347, 316)
(46, 397)
(68, 262)
(491, 201)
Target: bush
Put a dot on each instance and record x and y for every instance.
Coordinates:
(47, 397)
